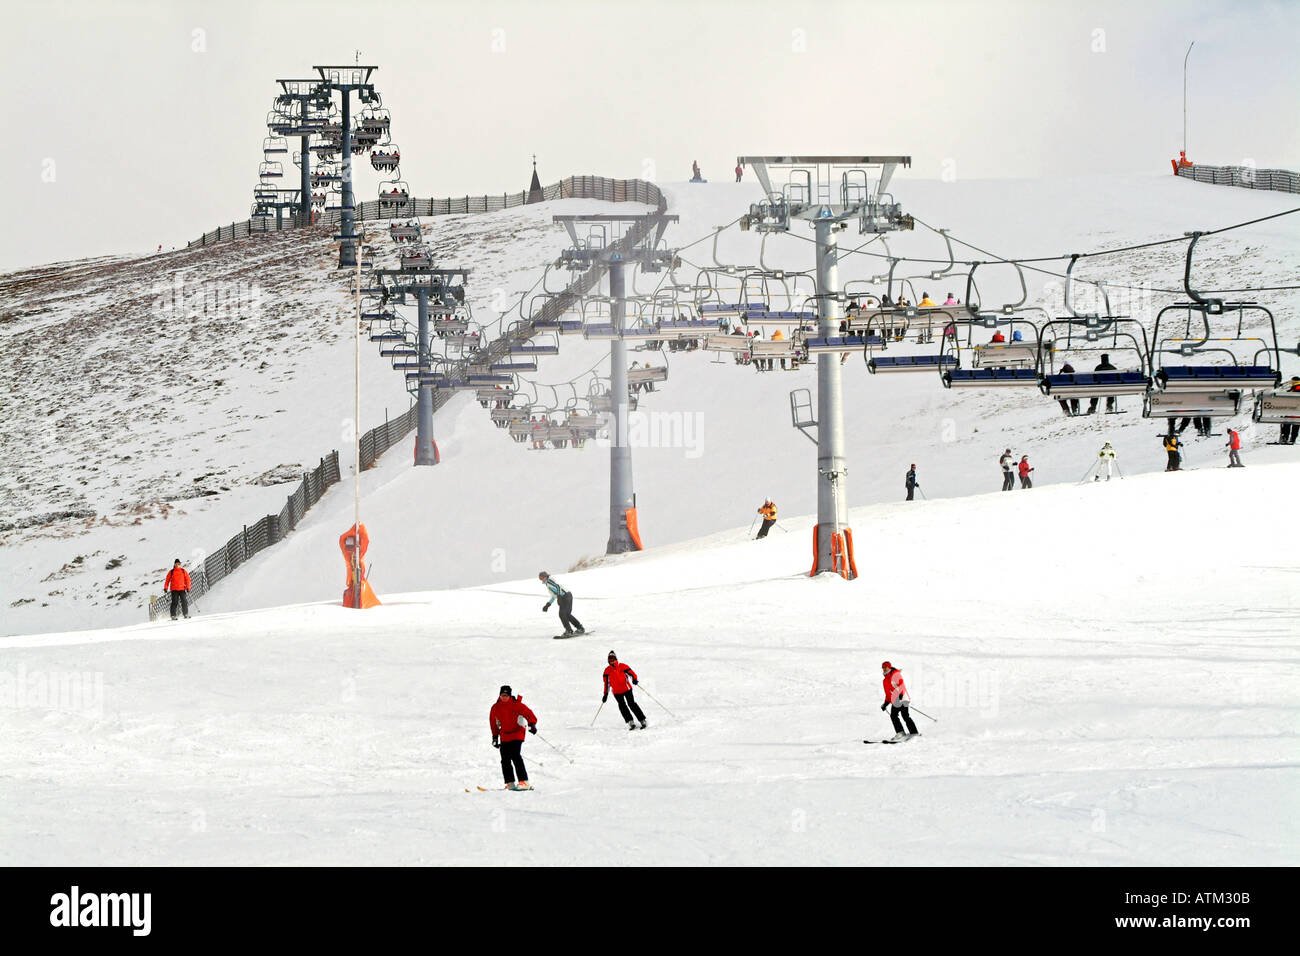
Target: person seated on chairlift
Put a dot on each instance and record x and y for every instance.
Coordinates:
(1017, 337)
(926, 302)
(950, 300)
(997, 337)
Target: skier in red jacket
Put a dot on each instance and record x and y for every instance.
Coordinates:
(1234, 447)
(178, 582)
(508, 719)
(616, 676)
(896, 695)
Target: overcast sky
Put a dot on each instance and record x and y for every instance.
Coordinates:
(133, 122)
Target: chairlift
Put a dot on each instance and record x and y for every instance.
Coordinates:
(385, 161)
(1253, 361)
(1014, 362)
(270, 170)
(394, 194)
(274, 144)
(1089, 334)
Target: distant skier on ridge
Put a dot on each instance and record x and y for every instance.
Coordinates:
(910, 482)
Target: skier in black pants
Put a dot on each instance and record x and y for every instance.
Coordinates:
(911, 481)
(897, 696)
(616, 676)
(566, 604)
(1008, 476)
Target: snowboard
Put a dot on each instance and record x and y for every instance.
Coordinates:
(565, 637)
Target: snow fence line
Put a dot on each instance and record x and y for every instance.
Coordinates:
(1280, 180)
(574, 187)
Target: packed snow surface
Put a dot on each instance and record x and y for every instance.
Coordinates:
(1111, 668)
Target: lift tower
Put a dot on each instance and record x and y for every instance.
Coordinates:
(812, 193)
(638, 245)
(429, 287)
(313, 102)
(346, 80)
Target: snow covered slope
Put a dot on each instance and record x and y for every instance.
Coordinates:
(714, 440)
(1112, 666)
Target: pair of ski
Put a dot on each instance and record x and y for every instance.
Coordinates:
(503, 789)
(891, 740)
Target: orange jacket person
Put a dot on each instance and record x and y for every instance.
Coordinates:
(508, 718)
(768, 511)
(178, 582)
(896, 695)
(615, 678)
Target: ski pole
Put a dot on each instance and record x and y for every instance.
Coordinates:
(751, 525)
(924, 714)
(783, 528)
(660, 703)
(923, 497)
(598, 710)
(553, 747)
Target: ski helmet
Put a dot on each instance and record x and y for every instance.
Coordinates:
(613, 655)
(505, 689)
(885, 665)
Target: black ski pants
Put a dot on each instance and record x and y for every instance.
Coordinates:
(627, 706)
(1008, 480)
(180, 599)
(767, 526)
(894, 711)
(1289, 432)
(1026, 481)
(566, 612)
(1172, 464)
(909, 492)
(512, 760)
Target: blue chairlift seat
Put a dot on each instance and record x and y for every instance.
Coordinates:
(989, 377)
(910, 363)
(1091, 384)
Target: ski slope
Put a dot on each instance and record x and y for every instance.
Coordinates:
(1112, 665)
(169, 473)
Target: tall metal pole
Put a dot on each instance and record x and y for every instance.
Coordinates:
(832, 497)
(347, 248)
(621, 497)
(424, 401)
(1189, 53)
(305, 153)
(356, 427)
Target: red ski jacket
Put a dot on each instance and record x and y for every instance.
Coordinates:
(616, 678)
(1234, 440)
(504, 719)
(178, 579)
(895, 689)
(1025, 469)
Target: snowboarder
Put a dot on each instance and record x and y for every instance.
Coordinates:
(910, 481)
(768, 511)
(178, 582)
(695, 171)
(897, 701)
(1008, 476)
(1025, 480)
(1103, 366)
(1234, 447)
(1172, 444)
(565, 598)
(507, 720)
(615, 678)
